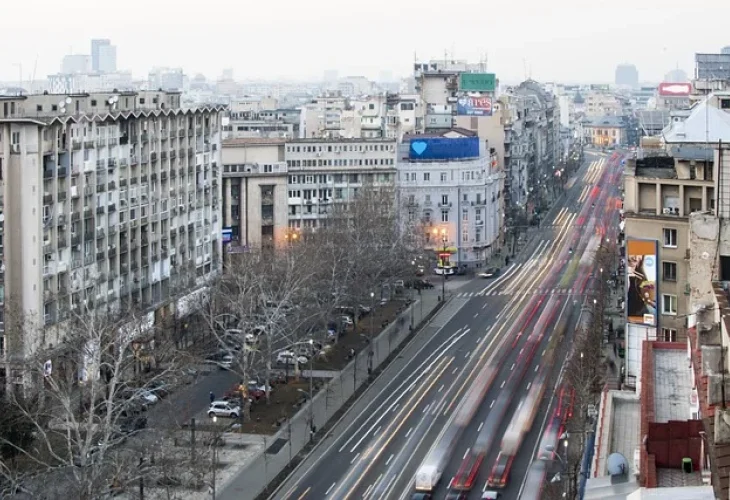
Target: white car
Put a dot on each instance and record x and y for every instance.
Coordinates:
(346, 320)
(224, 409)
(288, 358)
(226, 362)
(148, 396)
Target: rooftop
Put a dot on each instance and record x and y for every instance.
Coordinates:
(706, 123)
(442, 133)
(669, 433)
(254, 141)
(619, 429)
(653, 119)
(672, 385)
(605, 122)
(341, 140)
(652, 167)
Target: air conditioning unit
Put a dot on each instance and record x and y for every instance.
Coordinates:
(666, 210)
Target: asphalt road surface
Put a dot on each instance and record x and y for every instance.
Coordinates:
(495, 342)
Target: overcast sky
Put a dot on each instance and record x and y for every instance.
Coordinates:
(558, 40)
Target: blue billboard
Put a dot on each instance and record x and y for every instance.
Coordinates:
(443, 148)
(474, 106)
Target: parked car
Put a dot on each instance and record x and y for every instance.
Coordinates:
(148, 396)
(226, 362)
(224, 409)
(346, 320)
(159, 388)
(289, 358)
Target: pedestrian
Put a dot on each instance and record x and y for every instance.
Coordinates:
(212, 397)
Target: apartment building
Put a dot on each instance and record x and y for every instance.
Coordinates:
(260, 117)
(660, 194)
(323, 172)
(255, 201)
(458, 190)
(112, 200)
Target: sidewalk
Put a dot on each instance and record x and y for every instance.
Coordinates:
(249, 462)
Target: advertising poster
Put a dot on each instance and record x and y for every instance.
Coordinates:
(641, 282)
(474, 106)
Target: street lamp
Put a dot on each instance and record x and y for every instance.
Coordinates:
(413, 297)
(444, 238)
(370, 335)
(215, 458)
(311, 388)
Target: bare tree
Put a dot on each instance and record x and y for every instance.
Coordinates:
(86, 403)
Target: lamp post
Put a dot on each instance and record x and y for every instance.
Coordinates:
(370, 334)
(413, 263)
(311, 388)
(444, 238)
(215, 459)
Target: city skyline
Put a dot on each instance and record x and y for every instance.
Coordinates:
(543, 48)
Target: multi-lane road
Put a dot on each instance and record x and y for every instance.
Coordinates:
(453, 400)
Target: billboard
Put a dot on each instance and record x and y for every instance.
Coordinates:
(675, 89)
(443, 148)
(641, 282)
(477, 82)
(474, 106)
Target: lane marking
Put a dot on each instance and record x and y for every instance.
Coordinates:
(491, 404)
(330, 488)
(409, 432)
(481, 424)
(466, 453)
(442, 387)
(387, 462)
(355, 458)
(502, 386)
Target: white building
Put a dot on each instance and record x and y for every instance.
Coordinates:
(323, 172)
(113, 200)
(460, 194)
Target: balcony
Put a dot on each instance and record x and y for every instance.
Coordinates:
(88, 144)
(145, 137)
(153, 156)
(88, 260)
(111, 163)
(48, 173)
(75, 239)
(100, 255)
(100, 142)
(163, 155)
(47, 199)
(76, 144)
(62, 172)
(445, 205)
(181, 133)
(163, 175)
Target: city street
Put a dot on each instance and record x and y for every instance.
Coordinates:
(498, 337)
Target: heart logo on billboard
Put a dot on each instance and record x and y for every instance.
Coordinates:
(419, 147)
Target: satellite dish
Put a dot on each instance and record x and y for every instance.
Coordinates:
(110, 100)
(705, 255)
(617, 465)
(68, 100)
(62, 104)
(116, 98)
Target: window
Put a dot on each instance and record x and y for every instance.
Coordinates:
(465, 215)
(444, 199)
(444, 216)
(464, 235)
(426, 176)
(477, 215)
(670, 238)
(443, 177)
(669, 334)
(669, 304)
(669, 271)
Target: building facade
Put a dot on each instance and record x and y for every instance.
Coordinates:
(459, 193)
(113, 201)
(660, 192)
(325, 172)
(606, 131)
(255, 203)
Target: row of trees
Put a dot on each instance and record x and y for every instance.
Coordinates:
(585, 374)
(65, 430)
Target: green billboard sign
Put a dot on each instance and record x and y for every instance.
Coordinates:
(478, 82)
